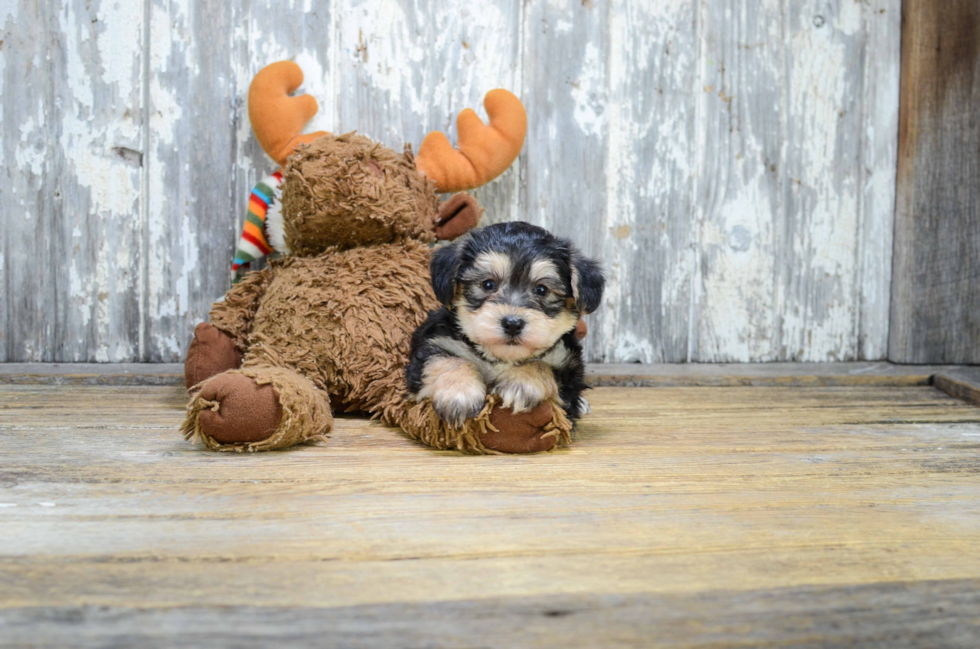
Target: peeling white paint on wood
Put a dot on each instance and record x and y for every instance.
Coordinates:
(72, 127)
(731, 162)
(791, 250)
(879, 151)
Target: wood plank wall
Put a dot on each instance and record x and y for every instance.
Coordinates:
(731, 161)
(935, 316)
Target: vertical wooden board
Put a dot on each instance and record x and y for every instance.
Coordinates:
(817, 271)
(406, 68)
(192, 215)
(19, 32)
(6, 30)
(740, 201)
(879, 151)
(72, 122)
(794, 219)
(567, 90)
(647, 231)
(935, 308)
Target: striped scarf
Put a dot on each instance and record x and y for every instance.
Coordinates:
(254, 242)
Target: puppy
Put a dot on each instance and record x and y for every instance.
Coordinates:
(512, 295)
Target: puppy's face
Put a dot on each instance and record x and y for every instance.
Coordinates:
(515, 288)
(514, 307)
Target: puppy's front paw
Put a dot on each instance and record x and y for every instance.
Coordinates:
(523, 387)
(455, 404)
(455, 387)
(519, 397)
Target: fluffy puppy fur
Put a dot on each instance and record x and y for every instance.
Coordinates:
(511, 294)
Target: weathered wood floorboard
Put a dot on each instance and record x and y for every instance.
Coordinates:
(598, 374)
(764, 515)
(898, 615)
(962, 383)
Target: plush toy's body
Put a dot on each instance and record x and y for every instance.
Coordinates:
(341, 345)
(329, 325)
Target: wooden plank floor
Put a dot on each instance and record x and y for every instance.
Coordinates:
(681, 516)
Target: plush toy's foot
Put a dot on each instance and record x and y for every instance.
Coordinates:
(211, 352)
(494, 430)
(239, 409)
(257, 408)
(524, 432)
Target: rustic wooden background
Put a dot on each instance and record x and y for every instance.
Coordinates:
(935, 312)
(733, 162)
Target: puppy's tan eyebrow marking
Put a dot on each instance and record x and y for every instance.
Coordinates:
(544, 270)
(494, 264)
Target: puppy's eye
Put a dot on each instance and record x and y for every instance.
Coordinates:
(541, 290)
(489, 285)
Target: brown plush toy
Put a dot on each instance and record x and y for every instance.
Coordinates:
(328, 325)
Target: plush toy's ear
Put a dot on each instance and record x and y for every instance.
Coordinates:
(457, 216)
(443, 267)
(587, 283)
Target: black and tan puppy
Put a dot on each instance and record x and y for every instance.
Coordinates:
(512, 295)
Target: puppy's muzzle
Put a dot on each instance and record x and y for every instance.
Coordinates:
(512, 325)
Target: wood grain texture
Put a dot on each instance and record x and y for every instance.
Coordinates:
(92, 373)
(740, 201)
(767, 514)
(567, 89)
(731, 162)
(877, 174)
(797, 102)
(612, 110)
(935, 310)
(71, 140)
(596, 374)
(960, 382)
(760, 374)
(192, 214)
(900, 615)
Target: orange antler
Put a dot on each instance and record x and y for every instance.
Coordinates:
(277, 118)
(484, 151)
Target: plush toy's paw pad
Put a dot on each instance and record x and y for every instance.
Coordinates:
(211, 352)
(522, 432)
(240, 409)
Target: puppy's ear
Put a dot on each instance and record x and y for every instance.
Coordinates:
(443, 267)
(587, 283)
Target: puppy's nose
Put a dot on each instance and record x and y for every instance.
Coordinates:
(512, 325)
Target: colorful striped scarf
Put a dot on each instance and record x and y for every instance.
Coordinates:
(254, 242)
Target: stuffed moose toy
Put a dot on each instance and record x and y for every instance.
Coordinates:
(328, 325)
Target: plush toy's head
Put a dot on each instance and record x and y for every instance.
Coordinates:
(348, 190)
